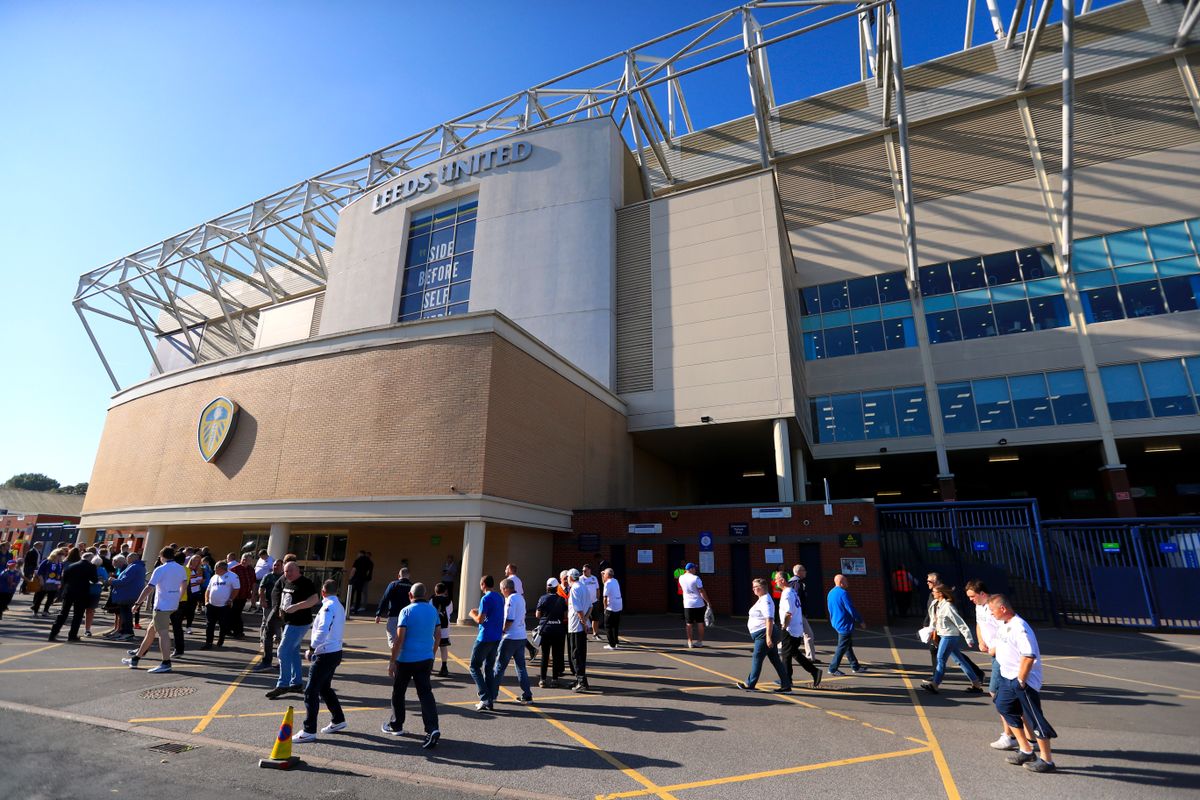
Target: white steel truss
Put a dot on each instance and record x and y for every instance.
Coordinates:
(208, 283)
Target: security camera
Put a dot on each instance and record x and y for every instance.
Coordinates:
(453, 488)
(856, 520)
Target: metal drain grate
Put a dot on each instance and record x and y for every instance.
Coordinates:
(172, 747)
(167, 692)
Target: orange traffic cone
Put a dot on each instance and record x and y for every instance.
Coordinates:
(281, 754)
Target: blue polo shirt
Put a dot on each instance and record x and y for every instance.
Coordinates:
(418, 620)
(491, 606)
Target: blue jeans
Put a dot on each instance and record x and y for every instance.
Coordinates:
(512, 649)
(845, 647)
(483, 669)
(951, 646)
(761, 651)
(290, 671)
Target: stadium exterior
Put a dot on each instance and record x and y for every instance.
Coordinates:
(939, 282)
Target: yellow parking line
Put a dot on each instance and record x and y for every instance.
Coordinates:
(55, 669)
(651, 787)
(939, 757)
(774, 773)
(212, 712)
(30, 652)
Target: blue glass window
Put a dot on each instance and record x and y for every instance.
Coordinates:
(814, 345)
(977, 322)
(1127, 247)
(900, 333)
(868, 337)
(935, 280)
(892, 287)
(1049, 312)
(1167, 384)
(839, 342)
(834, 297)
(1030, 400)
(943, 326)
(1123, 391)
(1002, 268)
(958, 407)
(822, 419)
(879, 415)
(1169, 241)
(967, 274)
(1142, 299)
(847, 417)
(846, 317)
(912, 411)
(1013, 317)
(438, 261)
(1089, 255)
(1037, 263)
(863, 292)
(1069, 396)
(1101, 305)
(1193, 369)
(810, 301)
(992, 404)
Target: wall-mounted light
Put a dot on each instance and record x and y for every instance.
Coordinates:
(1000, 458)
(1171, 447)
(888, 493)
(865, 465)
(1002, 442)
(754, 473)
(706, 420)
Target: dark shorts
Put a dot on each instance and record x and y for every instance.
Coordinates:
(693, 615)
(1009, 704)
(444, 642)
(994, 683)
(93, 602)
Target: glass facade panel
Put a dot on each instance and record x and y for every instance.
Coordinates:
(1124, 393)
(1193, 370)
(1101, 305)
(834, 297)
(1142, 299)
(1002, 268)
(822, 419)
(437, 264)
(1169, 241)
(1013, 317)
(814, 346)
(879, 415)
(1127, 247)
(943, 327)
(868, 337)
(992, 404)
(958, 407)
(912, 412)
(1031, 401)
(967, 274)
(847, 417)
(847, 314)
(863, 292)
(892, 287)
(935, 280)
(899, 333)
(1181, 293)
(1049, 312)
(1170, 395)
(839, 342)
(1069, 396)
(977, 322)
(1037, 263)
(810, 300)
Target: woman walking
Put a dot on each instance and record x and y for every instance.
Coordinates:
(949, 631)
(761, 625)
(49, 573)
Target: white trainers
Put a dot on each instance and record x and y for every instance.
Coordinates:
(1005, 742)
(609, 647)
(304, 736)
(334, 727)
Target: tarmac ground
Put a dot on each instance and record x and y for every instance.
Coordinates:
(660, 721)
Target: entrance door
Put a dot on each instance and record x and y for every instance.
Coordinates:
(616, 561)
(813, 600)
(740, 577)
(320, 555)
(675, 561)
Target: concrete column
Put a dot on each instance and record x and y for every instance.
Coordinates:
(278, 541)
(84, 536)
(783, 461)
(156, 539)
(800, 473)
(470, 568)
(1116, 487)
(946, 487)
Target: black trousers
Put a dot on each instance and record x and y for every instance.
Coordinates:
(236, 625)
(577, 652)
(320, 689)
(216, 615)
(418, 673)
(356, 595)
(269, 635)
(78, 605)
(187, 611)
(44, 594)
(553, 641)
(177, 641)
(612, 624)
(793, 648)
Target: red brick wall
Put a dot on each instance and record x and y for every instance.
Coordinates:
(644, 585)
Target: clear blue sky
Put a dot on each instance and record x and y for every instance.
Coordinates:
(125, 123)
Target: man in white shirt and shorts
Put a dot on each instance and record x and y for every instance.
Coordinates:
(695, 601)
(167, 582)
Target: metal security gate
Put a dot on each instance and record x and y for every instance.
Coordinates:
(1136, 572)
(999, 542)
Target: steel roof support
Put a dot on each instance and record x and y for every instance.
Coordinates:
(1029, 46)
(1190, 15)
(96, 345)
(997, 21)
(757, 95)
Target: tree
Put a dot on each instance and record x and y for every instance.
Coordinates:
(78, 488)
(32, 481)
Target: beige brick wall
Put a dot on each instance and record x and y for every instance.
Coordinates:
(403, 420)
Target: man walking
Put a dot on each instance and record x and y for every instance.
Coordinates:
(168, 582)
(612, 608)
(695, 601)
(77, 591)
(360, 574)
(513, 640)
(843, 617)
(416, 641)
(510, 572)
(33, 558)
(1017, 697)
(579, 606)
(269, 629)
(799, 585)
(218, 600)
(297, 596)
(490, 619)
(324, 654)
(244, 570)
(593, 586)
(987, 629)
(449, 575)
(791, 633)
(551, 613)
(395, 598)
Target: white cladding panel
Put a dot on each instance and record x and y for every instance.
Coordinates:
(288, 322)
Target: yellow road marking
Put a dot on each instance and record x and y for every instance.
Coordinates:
(212, 712)
(841, 716)
(30, 652)
(939, 757)
(651, 787)
(56, 669)
(1126, 680)
(877, 728)
(774, 773)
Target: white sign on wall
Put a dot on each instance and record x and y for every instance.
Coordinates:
(708, 564)
(773, 555)
(646, 527)
(854, 566)
(645, 556)
(772, 512)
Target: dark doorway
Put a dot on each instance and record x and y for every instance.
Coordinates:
(616, 561)
(739, 574)
(675, 561)
(812, 602)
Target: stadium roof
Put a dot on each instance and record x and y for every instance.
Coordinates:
(23, 501)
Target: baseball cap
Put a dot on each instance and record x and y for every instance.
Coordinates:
(573, 574)
(12, 562)
(690, 565)
(552, 583)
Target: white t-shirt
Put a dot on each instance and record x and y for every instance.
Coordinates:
(167, 581)
(760, 613)
(1015, 639)
(612, 590)
(691, 585)
(262, 568)
(514, 611)
(789, 603)
(517, 587)
(593, 586)
(578, 601)
(987, 624)
(221, 588)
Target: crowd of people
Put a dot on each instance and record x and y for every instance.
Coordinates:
(575, 608)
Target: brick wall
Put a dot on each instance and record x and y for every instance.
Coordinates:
(646, 587)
